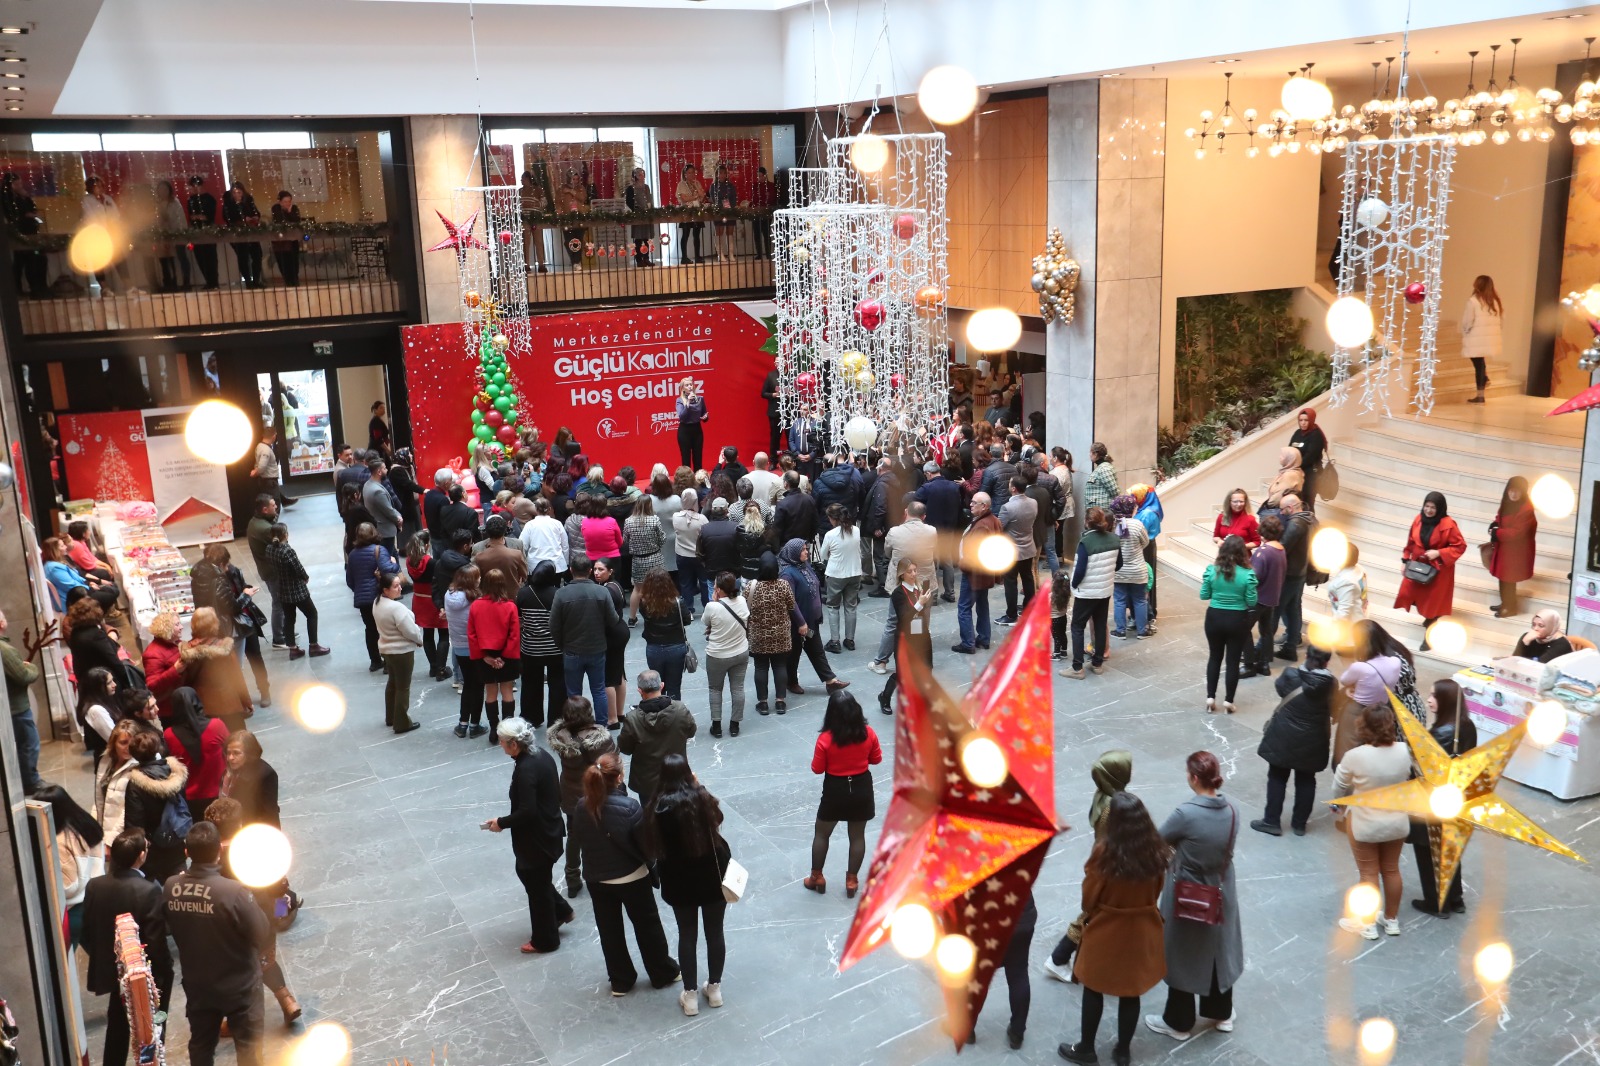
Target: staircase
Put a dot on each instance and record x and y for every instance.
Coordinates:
(1453, 381)
(1389, 463)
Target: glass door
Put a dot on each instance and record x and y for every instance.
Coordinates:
(299, 402)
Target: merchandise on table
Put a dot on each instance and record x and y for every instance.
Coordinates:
(1569, 768)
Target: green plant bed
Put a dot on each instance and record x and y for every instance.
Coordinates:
(1239, 365)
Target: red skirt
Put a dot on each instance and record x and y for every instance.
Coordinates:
(422, 607)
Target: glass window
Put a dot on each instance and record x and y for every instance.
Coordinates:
(571, 135)
(66, 142)
(278, 139)
(200, 141)
(137, 142)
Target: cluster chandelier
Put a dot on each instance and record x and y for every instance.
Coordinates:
(1496, 112)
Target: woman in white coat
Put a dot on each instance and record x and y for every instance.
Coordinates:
(1480, 330)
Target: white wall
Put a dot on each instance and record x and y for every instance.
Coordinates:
(359, 386)
(1233, 224)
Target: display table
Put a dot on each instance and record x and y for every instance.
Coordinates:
(154, 575)
(1567, 769)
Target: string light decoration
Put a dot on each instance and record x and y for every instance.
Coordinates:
(861, 274)
(1392, 232)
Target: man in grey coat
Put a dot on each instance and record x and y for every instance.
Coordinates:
(581, 619)
(376, 499)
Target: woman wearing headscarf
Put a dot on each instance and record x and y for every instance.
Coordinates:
(198, 743)
(1512, 536)
(1436, 540)
(1544, 639)
(1111, 773)
(802, 580)
(1290, 478)
(1312, 444)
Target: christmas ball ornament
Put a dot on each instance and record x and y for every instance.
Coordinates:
(484, 401)
(806, 383)
(860, 432)
(505, 236)
(930, 298)
(1416, 292)
(493, 419)
(1372, 212)
(305, 236)
(498, 379)
(493, 390)
(574, 245)
(8, 476)
(1055, 277)
(868, 314)
(905, 226)
(897, 381)
(1036, 283)
(801, 255)
(471, 298)
(852, 361)
(500, 341)
(506, 434)
(190, 246)
(478, 417)
(483, 433)
(502, 404)
(865, 380)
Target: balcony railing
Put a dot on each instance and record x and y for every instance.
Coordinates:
(608, 259)
(198, 279)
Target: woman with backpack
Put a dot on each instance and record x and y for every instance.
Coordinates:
(154, 784)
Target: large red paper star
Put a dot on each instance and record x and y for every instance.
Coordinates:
(459, 234)
(969, 854)
(1588, 398)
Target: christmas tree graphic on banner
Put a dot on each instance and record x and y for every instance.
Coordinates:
(115, 479)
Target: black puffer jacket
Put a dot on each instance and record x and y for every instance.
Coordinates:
(610, 847)
(1297, 734)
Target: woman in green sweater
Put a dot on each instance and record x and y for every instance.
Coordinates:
(1230, 585)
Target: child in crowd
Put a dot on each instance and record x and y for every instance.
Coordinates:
(1060, 616)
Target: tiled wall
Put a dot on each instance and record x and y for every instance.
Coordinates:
(997, 182)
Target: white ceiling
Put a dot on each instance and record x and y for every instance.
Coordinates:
(703, 5)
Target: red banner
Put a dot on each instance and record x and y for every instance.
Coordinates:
(105, 456)
(609, 376)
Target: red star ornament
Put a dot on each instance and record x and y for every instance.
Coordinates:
(969, 854)
(1586, 400)
(459, 235)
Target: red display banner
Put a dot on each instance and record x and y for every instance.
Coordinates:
(609, 376)
(742, 157)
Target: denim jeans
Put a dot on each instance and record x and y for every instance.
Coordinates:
(27, 737)
(593, 666)
(667, 660)
(1131, 600)
(1052, 561)
(970, 598)
(691, 575)
(276, 612)
(1289, 609)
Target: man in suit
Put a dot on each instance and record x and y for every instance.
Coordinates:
(124, 889)
(769, 393)
(807, 441)
(379, 502)
(203, 212)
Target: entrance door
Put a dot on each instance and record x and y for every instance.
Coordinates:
(300, 402)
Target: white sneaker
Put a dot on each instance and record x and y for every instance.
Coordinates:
(1350, 925)
(456, 685)
(1060, 973)
(1154, 1023)
(1391, 926)
(1226, 1026)
(713, 991)
(878, 668)
(689, 1000)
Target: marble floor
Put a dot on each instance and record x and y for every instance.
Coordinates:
(413, 916)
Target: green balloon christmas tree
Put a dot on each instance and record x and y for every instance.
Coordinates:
(495, 418)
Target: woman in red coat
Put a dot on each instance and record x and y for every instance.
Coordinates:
(1236, 520)
(164, 668)
(430, 619)
(494, 636)
(1512, 533)
(1436, 539)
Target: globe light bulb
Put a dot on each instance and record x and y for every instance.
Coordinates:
(994, 329)
(955, 956)
(1547, 720)
(1329, 549)
(1376, 1038)
(869, 153)
(997, 553)
(1362, 902)
(860, 432)
(260, 855)
(947, 95)
(1349, 322)
(1446, 801)
(218, 432)
(1447, 637)
(1493, 963)
(912, 930)
(1305, 98)
(984, 763)
(319, 708)
(1554, 496)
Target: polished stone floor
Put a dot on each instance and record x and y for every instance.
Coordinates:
(413, 916)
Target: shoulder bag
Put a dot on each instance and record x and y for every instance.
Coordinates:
(1327, 481)
(1420, 571)
(1194, 902)
(735, 878)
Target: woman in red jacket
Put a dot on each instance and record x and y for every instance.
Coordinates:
(845, 749)
(1235, 520)
(494, 636)
(1512, 533)
(430, 619)
(1435, 539)
(164, 668)
(199, 743)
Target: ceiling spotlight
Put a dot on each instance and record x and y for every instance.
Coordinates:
(1219, 61)
(12, 59)
(1548, 18)
(1118, 75)
(13, 88)
(12, 74)
(1377, 40)
(13, 107)
(13, 31)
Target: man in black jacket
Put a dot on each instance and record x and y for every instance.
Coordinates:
(876, 519)
(222, 935)
(448, 560)
(717, 547)
(839, 483)
(124, 889)
(582, 619)
(433, 504)
(1298, 527)
(769, 393)
(730, 467)
(457, 515)
(941, 495)
(536, 832)
(997, 477)
(796, 513)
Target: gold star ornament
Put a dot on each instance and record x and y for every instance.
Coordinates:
(1456, 796)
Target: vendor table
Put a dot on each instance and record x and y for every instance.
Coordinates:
(1567, 769)
(154, 576)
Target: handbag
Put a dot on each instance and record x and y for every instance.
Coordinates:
(691, 661)
(1486, 553)
(735, 879)
(1195, 902)
(1420, 571)
(1328, 480)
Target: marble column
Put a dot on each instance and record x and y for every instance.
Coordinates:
(1106, 174)
(442, 160)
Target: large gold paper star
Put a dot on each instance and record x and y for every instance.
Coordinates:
(1476, 774)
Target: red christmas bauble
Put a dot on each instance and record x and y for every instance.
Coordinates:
(484, 402)
(896, 380)
(505, 236)
(190, 246)
(1416, 292)
(493, 419)
(868, 314)
(506, 434)
(806, 383)
(905, 227)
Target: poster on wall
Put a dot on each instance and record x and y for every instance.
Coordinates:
(141, 455)
(1586, 598)
(611, 377)
(307, 179)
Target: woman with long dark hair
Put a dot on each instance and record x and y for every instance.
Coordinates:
(1122, 950)
(1512, 533)
(616, 649)
(458, 613)
(772, 610)
(239, 211)
(607, 824)
(643, 538)
(841, 564)
(435, 627)
(1435, 540)
(682, 828)
(1230, 586)
(666, 634)
(97, 709)
(1382, 665)
(198, 743)
(846, 749)
(727, 622)
(78, 842)
(1454, 731)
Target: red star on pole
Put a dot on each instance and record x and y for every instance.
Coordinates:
(970, 854)
(459, 234)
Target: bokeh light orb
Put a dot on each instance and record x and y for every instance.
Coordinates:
(1446, 801)
(1554, 496)
(218, 432)
(91, 249)
(1546, 722)
(1447, 637)
(984, 763)
(1493, 963)
(319, 708)
(324, 1044)
(260, 855)
(955, 956)
(994, 329)
(869, 153)
(1349, 321)
(912, 931)
(1329, 549)
(1376, 1037)
(997, 553)
(1362, 902)
(947, 95)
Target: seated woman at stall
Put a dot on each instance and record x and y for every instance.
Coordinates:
(63, 577)
(1544, 640)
